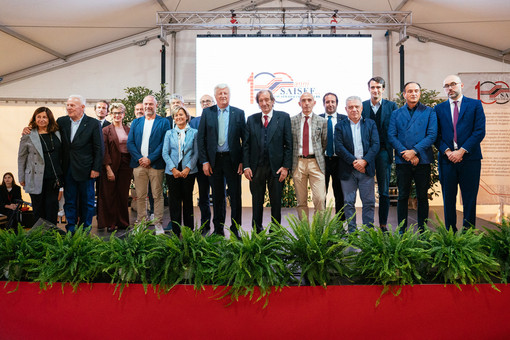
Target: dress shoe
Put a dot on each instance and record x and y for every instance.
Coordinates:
(205, 231)
(111, 229)
(383, 228)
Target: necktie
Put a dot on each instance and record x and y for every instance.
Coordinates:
(455, 119)
(305, 137)
(221, 128)
(329, 148)
(266, 121)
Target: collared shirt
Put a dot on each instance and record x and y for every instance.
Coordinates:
(147, 129)
(101, 121)
(452, 106)
(376, 107)
(356, 139)
(74, 126)
(310, 133)
(226, 116)
(333, 122)
(269, 116)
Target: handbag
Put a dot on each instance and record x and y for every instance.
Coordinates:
(57, 184)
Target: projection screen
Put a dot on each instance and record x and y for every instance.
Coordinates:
(288, 66)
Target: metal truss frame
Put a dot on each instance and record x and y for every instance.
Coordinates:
(284, 20)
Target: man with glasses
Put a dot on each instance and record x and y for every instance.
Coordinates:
(461, 129)
(204, 182)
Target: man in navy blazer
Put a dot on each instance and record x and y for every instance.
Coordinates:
(220, 136)
(357, 144)
(330, 101)
(145, 144)
(82, 141)
(412, 131)
(461, 129)
(204, 182)
(379, 110)
(267, 151)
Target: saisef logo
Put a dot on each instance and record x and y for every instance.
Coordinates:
(490, 92)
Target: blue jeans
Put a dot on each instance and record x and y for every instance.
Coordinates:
(383, 174)
(365, 184)
(405, 175)
(79, 197)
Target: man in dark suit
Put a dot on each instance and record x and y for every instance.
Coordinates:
(82, 159)
(379, 110)
(267, 151)
(461, 129)
(220, 136)
(357, 144)
(330, 101)
(176, 100)
(412, 131)
(145, 144)
(204, 182)
(101, 109)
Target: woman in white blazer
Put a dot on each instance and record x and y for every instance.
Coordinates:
(180, 152)
(39, 164)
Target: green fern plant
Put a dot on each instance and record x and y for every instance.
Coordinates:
(498, 241)
(190, 259)
(317, 250)
(70, 258)
(461, 257)
(21, 252)
(390, 258)
(254, 261)
(132, 258)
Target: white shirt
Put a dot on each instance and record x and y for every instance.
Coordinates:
(452, 107)
(310, 144)
(147, 129)
(74, 126)
(269, 116)
(356, 139)
(376, 107)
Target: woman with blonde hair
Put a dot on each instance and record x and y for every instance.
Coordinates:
(116, 173)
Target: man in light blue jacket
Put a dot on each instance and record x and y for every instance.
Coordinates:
(412, 131)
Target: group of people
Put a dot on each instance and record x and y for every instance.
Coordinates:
(220, 146)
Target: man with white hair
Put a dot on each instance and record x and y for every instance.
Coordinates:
(82, 158)
(220, 136)
(176, 100)
(145, 144)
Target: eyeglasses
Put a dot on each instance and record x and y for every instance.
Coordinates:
(450, 85)
(205, 101)
(117, 113)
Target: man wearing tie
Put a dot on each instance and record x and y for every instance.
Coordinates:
(330, 101)
(82, 160)
(267, 151)
(220, 136)
(357, 144)
(309, 135)
(412, 131)
(461, 129)
(379, 110)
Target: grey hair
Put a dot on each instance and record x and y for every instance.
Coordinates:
(352, 98)
(177, 96)
(119, 106)
(221, 87)
(151, 96)
(80, 98)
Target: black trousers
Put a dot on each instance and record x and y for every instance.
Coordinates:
(180, 202)
(204, 183)
(45, 204)
(332, 169)
(225, 170)
(261, 177)
(406, 173)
